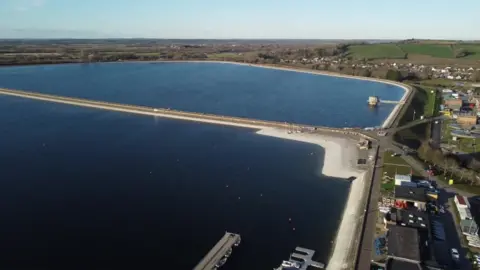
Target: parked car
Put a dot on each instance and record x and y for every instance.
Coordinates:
(455, 254)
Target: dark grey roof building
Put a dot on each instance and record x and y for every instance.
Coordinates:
(404, 244)
(393, 264)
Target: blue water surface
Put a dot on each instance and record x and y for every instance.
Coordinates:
(224, 89)
(91, 189)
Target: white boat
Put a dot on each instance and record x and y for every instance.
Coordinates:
(221, 263)
(228, 253)
(238, 242)
(288, 265)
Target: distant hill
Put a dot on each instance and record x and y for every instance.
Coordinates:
(189, 41)
(426, 50)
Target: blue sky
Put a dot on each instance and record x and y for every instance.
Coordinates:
(302, 19)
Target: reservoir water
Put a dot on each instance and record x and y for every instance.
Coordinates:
(224, 89)
(83, 188)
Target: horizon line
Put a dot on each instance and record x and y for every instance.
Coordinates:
(324, 39)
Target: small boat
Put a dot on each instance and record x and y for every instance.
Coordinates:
(221, 262)
(288, 265)
(238, 242)
(228, 253)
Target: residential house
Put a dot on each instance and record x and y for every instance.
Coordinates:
(454, 104)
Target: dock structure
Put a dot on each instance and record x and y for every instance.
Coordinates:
(219, 252)
(302, 260)
(392, 101)
(374, 101)
(306, 258)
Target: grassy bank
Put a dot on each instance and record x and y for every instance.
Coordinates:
(424, 103)
(376, 51)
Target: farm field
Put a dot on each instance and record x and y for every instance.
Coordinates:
(439, 53)
(376, 51)
(474, 49)
(227, 55)
(434, 50)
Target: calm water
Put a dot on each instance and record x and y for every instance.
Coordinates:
(83, 188)
(96, 188)
(224, 89)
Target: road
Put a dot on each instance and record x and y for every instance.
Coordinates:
(452, 232)
(387, 142)
(416, 122)
(436, 134)
(366, 243)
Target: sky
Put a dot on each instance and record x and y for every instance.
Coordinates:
(243, 19)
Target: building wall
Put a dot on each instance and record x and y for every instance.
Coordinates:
(453, 102)
(467, 120)
(400, 203)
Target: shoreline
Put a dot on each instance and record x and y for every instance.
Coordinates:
(340, 161)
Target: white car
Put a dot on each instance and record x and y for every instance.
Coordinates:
(455, 254)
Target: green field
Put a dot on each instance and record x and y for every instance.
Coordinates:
(226, 55)
(440, 51)
(474, 49)
(136, 53)
(413, 51)
(432, 105)
(376, 51)
(391, 166)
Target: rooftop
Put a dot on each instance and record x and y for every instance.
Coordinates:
(461, 200)
(410, 193)
(464, 213)
(410, 218)
(393, 264)
(403, 177)
(403, 242)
